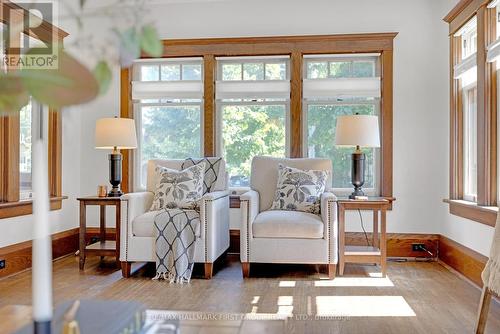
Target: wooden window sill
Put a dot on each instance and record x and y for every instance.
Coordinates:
(25, 207)
(482, 214)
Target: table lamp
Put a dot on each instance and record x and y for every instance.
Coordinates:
(359, 131)
(115, 134)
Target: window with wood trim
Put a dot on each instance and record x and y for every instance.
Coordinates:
(15, 142)
(168, 108)
(252, 101)
(474, 47)
(336, 85)
(243, 65)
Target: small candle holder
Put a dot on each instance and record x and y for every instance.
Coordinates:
(102, 191)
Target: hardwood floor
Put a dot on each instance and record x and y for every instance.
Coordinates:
(415, 297)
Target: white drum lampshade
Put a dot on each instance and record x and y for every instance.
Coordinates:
(115, 133)
(357, 130)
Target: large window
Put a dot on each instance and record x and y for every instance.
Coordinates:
(168, 106)
(274, 96)
(338, 85)
(252, 111)
(473, 139)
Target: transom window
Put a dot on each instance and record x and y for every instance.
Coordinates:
(340, 68)
(252, 68)
(468, 34)
(168, 108)
(252, 100)
(338, 85)
(172, 71)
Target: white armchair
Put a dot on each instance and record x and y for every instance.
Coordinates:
(137, 240)
(275, 236)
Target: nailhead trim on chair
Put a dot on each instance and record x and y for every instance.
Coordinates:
(328, 215)
(329, 230)
(248, 227)
(206, 224)
(206, 231)
(126, 229)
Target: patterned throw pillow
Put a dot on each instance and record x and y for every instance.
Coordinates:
(212, 165)
(178, 189)
(299, 190)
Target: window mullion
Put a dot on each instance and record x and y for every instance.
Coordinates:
(209, 126)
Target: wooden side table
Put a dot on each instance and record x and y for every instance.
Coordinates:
(103, 247)
(377, 253)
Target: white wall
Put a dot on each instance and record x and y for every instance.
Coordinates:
(420, 92)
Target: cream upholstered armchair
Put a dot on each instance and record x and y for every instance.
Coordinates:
(136, 234)
(276, 236)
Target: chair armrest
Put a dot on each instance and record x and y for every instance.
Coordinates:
(249, 206)
(215, 195)
(137, 203)
(214, 220)
(131, 206)
(329, 217)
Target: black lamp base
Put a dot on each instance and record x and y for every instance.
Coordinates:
(42, 327)
(115, 174)
(115, 192)
(357, 173)
(357, 192)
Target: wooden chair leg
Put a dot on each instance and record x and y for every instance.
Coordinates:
(126, 269)
(332, 269)
(209, 267)
(482, 313)
(245, 268)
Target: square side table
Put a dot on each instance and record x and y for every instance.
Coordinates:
(377, 253)
(103, 247)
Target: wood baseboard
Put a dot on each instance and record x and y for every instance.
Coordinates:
(398, 244)
(462, 259)
(18, 256)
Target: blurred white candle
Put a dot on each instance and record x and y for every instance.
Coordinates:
(42, 243)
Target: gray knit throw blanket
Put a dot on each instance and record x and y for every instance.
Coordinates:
(175, 232)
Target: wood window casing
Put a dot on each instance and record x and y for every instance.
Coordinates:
(486, 116)
(10, 203)
(296, 47)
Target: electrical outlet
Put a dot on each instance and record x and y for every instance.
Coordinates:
(418, 247)
(2, 264)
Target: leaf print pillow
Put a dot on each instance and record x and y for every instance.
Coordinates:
(178, 189)
(299, 190)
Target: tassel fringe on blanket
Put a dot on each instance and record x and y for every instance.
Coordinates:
(171, 278)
